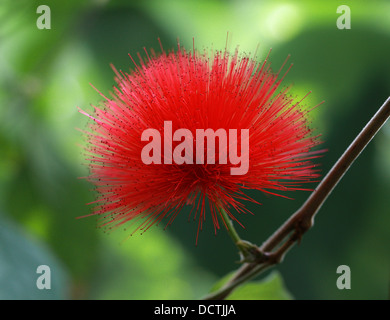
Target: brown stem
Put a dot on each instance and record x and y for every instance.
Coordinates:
(302, 220)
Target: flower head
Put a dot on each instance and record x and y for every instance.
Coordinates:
(142, 172)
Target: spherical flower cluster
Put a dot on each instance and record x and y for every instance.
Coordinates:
(195, 91)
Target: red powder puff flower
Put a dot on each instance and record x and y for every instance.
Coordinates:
(258, 138)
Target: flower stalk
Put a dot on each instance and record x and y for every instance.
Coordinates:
(249, 252)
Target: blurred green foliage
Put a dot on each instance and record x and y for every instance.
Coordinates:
(46, 74)
(269, 288)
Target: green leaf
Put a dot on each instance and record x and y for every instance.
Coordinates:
(270, 288)
(20, 257)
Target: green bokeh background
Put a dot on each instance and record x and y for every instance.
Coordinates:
(46, 74)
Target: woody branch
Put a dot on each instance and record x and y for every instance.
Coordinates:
(273, 250)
